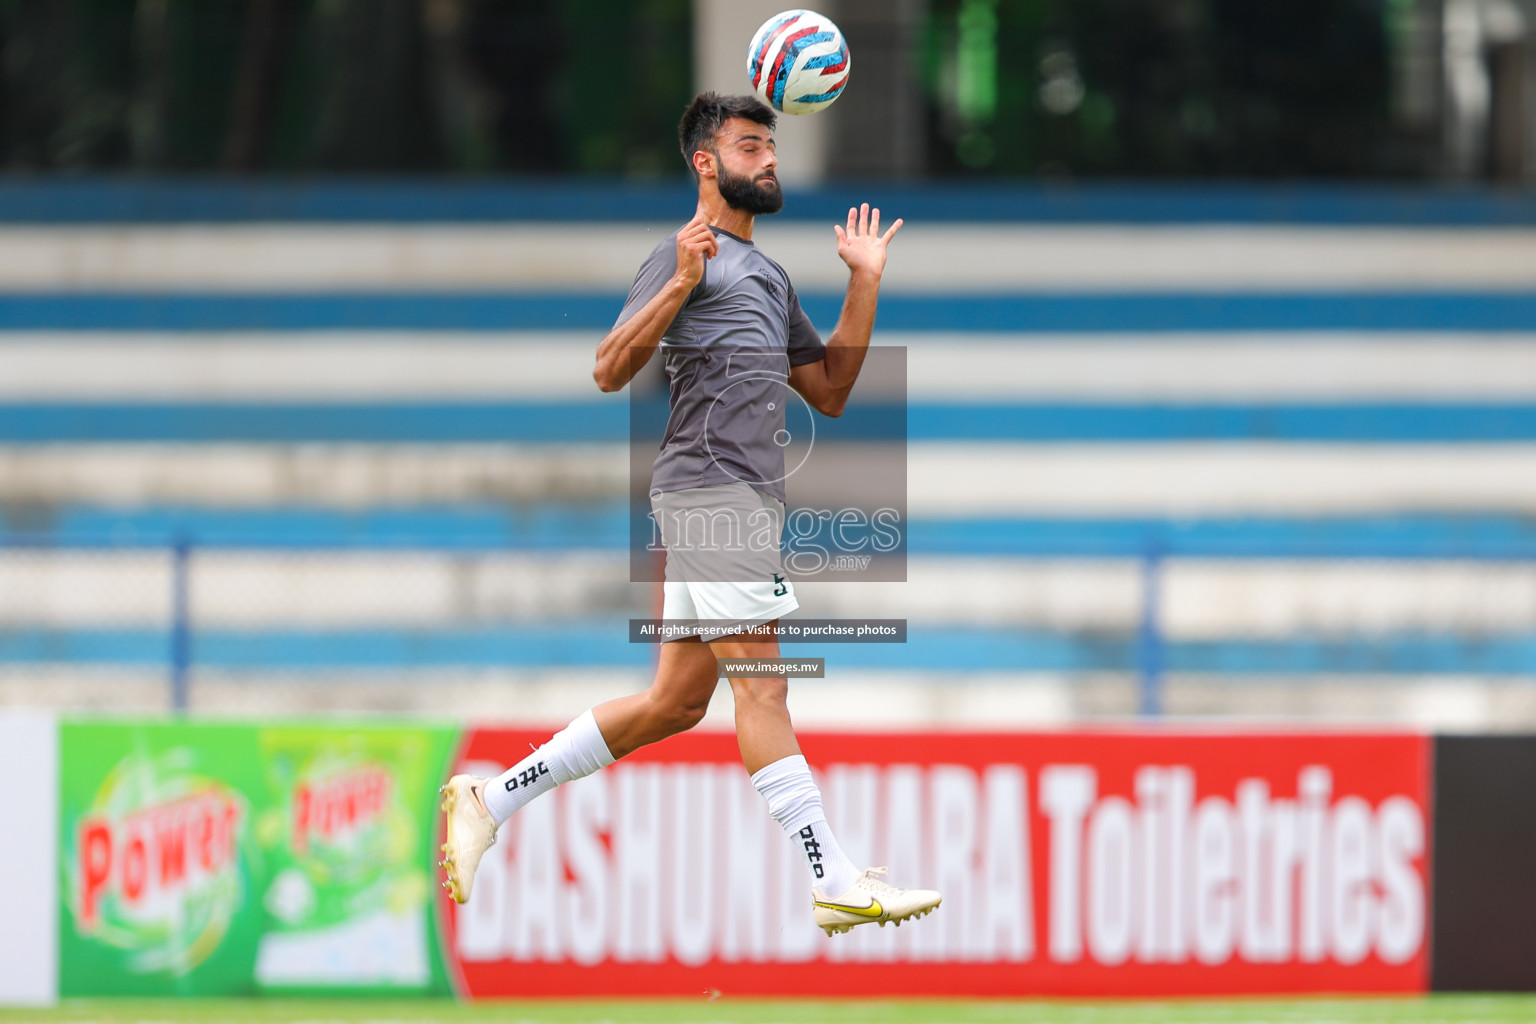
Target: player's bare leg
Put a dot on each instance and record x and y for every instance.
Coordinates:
(841, 895)
(675, 702)
(476, 807)
(763, 729)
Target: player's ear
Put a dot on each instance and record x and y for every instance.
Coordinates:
(704, 163)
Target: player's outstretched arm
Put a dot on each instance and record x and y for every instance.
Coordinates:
(827, 384)
(630, 345)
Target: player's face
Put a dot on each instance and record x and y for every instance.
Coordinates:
(747, 172)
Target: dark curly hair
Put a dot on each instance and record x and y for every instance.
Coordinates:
(709, 110)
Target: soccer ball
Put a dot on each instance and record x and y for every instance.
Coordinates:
(798, 62)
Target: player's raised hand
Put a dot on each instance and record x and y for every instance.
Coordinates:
(861, 245)
(695, 244)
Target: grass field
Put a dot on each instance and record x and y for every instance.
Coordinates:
(1431, 1010)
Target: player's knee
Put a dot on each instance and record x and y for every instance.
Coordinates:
(680, 716)
(688, 715)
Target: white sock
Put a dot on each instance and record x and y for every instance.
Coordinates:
(574, 752)
(795, 803)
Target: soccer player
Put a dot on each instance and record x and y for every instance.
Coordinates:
(715, 305)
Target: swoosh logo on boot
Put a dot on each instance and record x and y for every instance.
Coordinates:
(873, 910)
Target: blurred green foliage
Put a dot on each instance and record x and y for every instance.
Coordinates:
(1150, 88)
(390, 86)
(1018, 88)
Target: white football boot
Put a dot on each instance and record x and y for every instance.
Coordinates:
(468, 832)
(871, 899)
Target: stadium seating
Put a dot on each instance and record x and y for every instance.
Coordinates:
(1241, 458)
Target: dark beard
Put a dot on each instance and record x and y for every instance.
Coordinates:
(742, 193)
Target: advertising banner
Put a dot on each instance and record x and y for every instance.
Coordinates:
(346, 846)
(1082, 863)
(230, 858)
(161, 872)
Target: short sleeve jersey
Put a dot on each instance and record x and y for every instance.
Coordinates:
(727, 356)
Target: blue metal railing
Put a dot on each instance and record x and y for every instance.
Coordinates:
(1149, 646)
(181, 624)
(1148, 653)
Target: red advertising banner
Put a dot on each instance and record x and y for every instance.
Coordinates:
(1081, 863)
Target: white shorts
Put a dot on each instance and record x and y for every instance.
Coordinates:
(719, 582)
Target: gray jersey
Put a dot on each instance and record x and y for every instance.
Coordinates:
(727, 356)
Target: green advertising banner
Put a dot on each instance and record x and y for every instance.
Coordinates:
(210, 859)
(346, 840)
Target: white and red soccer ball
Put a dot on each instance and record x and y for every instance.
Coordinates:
(798, 62)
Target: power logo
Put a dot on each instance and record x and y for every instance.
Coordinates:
(154, 854)
(331, 810)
